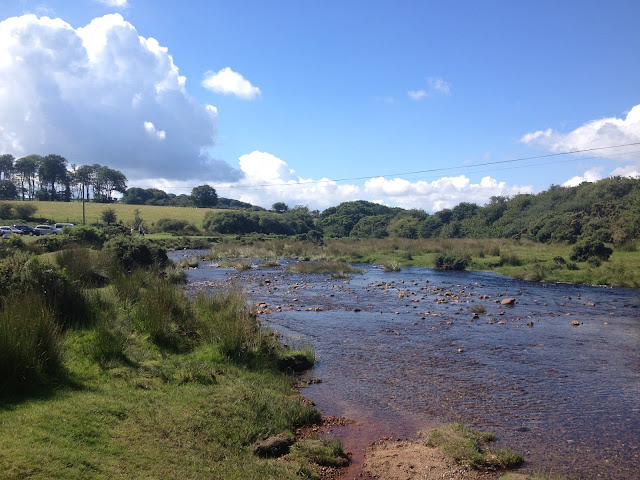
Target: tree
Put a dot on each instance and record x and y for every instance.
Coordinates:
(204, 196)
(110, 180)
(8, 190)
(6, 166)
(27, 168)
(84, 176)
(280, 207)
(52, 171)
(109, 216)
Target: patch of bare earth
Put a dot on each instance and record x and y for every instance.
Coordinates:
(406, 460)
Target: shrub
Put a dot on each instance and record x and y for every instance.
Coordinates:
(65, 300)
(109, 215)
(5, 211)
(131, 253)
(590, 248)
(175, 226)
(594, 261)
(510, 259)
(391, 266)
(451, 261)
(85, 235)
(29, 342)
(83, 266)
(24, 210)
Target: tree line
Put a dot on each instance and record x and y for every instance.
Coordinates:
(51, 178)
(37, 177)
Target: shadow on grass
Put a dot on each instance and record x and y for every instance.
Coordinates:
(11, 396)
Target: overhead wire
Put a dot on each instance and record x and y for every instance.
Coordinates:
(301, 184)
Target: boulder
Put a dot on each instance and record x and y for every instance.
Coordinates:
(508, 301)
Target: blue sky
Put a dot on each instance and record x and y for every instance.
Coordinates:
(301, 92)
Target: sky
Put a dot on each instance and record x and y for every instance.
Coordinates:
(417, 104)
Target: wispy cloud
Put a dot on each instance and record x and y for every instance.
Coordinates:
(435, 86)
(115, 3)
(228, 82)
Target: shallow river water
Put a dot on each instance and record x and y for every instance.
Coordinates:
(402, 351)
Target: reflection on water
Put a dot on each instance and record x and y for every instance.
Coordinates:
(403, 350)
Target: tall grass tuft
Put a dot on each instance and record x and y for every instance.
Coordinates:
(30, 346)
(227, 322)
(164, 313)
(83, 266)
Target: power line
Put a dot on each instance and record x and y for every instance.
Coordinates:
(434, 170)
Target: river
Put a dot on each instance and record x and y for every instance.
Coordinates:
(404, 351)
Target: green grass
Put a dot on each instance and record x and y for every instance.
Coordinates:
(153, 386)
(72, 212)
(468, 447)
(523, 259)
(326, 452)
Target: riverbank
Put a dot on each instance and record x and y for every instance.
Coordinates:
(107, 373)
(519, 259)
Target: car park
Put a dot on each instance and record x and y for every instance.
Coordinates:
(46, 230)
(8, 231)
(27, 229)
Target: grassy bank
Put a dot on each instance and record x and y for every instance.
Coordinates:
(523, 259)
(121, 376)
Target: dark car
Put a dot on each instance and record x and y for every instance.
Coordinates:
(27, 229)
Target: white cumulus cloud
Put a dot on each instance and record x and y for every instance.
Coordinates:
(268, 179)
(228, 82)
(102, 94)
(596, 134)
(591, 175)
(600, 133)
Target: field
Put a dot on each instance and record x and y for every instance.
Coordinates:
(72, 212)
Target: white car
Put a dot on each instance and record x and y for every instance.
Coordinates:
(47, 230)
(60, 226)
(8, 231)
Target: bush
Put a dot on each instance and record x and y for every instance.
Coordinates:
(24, 210)
(5, 211)
(451, 261)
(83, 266)
(64, 299)
(109, 215)
(181, 227)
(84, 235)
(131, 253)
(29, 342)
(590, 248)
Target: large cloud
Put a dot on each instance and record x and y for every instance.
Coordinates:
(596, 134)
(268, 179)
(601, 133)
(102, 94)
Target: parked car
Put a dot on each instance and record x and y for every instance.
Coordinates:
(8, 231)
(27, 229)
(60, 226)
(46, 230)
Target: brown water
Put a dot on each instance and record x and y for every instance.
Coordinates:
(401, 351)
